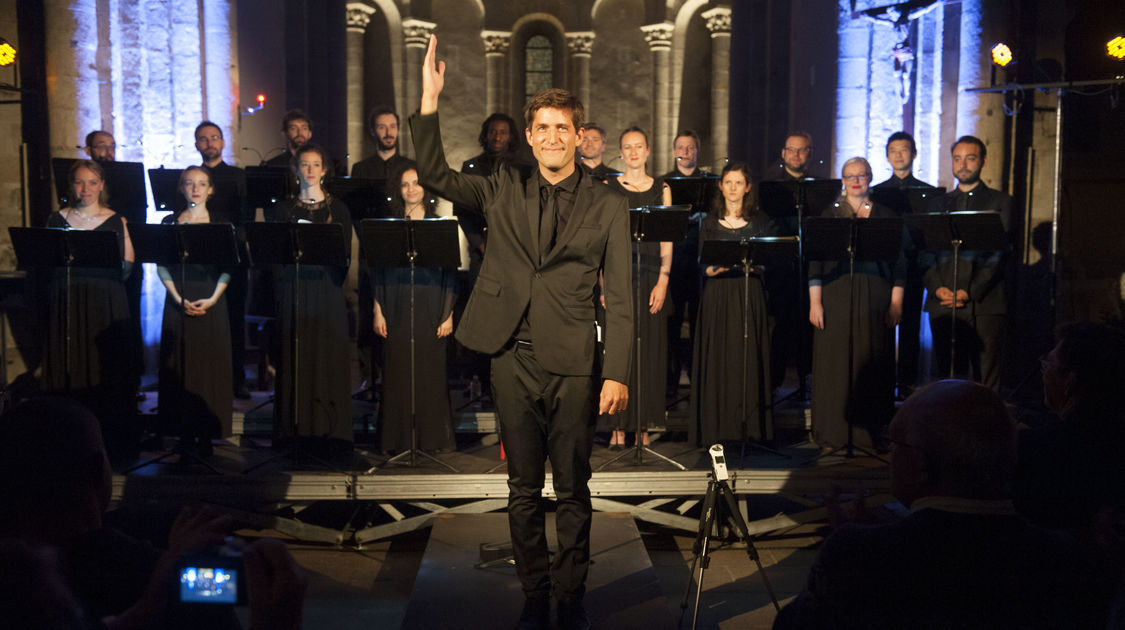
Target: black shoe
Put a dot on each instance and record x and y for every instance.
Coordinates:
(536, 614)
(572, 616)
(242, 393)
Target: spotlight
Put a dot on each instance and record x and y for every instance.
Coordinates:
(261, 100)
(1116, 47)
(260, 103)
(7, 53)
(1001, 54)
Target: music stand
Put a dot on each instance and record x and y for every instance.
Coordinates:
(296, 244)
(169, 245)
(365, 198)
(266, 185)
(165, 183)
(910, 199)
(745, 254)
(648, 224)
(875, 239)
(124, 187)
(958, 232)
(411, 243)
(60, 247)
(696, 190)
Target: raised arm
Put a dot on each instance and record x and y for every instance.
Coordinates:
(433, 79)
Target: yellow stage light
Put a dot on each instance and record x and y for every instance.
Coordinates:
(1116, 47)
(7, 53)
(1001, 55)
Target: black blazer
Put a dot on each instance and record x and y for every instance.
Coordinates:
(558, 294)
(981, 274)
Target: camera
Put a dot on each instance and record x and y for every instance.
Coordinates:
(718, 462)
(211, 579)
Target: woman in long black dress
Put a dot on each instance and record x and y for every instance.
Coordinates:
(652, 263)
(195, 365)
(873, 306)
(97, 366)
(719, 377)
(433, 323)
(317, 382)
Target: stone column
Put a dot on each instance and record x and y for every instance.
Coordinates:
(358, 17)
(981, 114)
(718, 23)
(659, 39)
(496, 45)
(580, 44)
(416, 36)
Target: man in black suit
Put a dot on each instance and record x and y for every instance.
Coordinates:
(228, 203)
(552, 231)
(962, 558)
(901, 151)
(382, 125)
(591, 150)
(981, 304)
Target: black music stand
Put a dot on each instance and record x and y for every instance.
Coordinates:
(910, 199)
(168, 245)
(411, 243)
(266, 185)
(124, 187)
(696, 190)
(877, 239)
(165, 183)
(59, 247)
(647, 225)
(296, 244)
(745, 254)
(958, 232)
(365, 198)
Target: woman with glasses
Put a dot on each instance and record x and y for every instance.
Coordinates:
(870, 304)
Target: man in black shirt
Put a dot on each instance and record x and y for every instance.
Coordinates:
(901, 151)
(591, 150)
(228, 205)
(297, 129)
(382, 124)
(787, 297)
(384, 164)
(981, 303)
(685, 148)
(554, 232)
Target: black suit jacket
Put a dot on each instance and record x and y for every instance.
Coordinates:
(982, 274)
(557, 294)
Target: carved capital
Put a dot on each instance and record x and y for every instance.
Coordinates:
(658, 35)
(417, 32)
(718, 20)
(496, 42)
(580, 43)
(358, 16)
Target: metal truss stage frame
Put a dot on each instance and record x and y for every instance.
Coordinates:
(662, 497)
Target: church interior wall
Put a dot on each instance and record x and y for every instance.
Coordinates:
(694, 110)
(11, 137)
(620, 74)
(463, 104)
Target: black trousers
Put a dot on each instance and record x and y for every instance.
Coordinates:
(980, 341)
(236, 312)
(544, 415)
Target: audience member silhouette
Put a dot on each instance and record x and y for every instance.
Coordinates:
(55, 487)
(962, 558)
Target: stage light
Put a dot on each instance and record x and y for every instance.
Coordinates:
(261, 100)
(1001, 54)
(1116, 47)
(7, 53)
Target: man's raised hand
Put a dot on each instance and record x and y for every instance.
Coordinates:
(433, 78)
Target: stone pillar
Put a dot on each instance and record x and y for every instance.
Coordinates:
(718, 23)
(659, 39)
(358, 16)
(981, 114)
(496, 45)
(416, 36)
(580, 44)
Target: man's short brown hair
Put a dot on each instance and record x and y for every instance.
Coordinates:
(555, 98)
